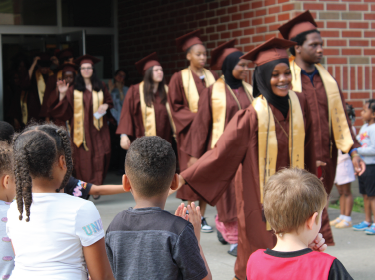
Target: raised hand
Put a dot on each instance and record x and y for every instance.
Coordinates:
(102, 108)
(62, 86)
(318, 244)
(195, 218)
(181, 212)
(125, 142)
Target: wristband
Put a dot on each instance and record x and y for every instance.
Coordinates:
(355, 155)
(122, 135)
(353, 150)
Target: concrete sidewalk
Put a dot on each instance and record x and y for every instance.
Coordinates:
(355, 250)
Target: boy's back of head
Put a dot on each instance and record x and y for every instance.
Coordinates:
(291, 196)
(6, 158)
(150, 165)
(6, 131)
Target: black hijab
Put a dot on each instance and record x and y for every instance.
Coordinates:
(262, 85)
(228, 65)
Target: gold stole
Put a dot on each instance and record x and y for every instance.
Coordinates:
(41, 84)
(23, 102)
(190, 87)
(219, 106)
(148, 113)
(267, 140)
(336, 113)
(59, 75)
(79, 116)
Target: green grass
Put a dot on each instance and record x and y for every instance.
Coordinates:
(358, 205)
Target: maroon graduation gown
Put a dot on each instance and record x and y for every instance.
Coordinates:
(131, 121)
(198, 140)
(317, 101)
(92, 165)
(237, 149)
(183, 117)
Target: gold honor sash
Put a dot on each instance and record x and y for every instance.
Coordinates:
(148, 113)
(267, 140)
(219, 106)
(59, 75)
(41, 84)
(190, 87)
(79, 116)
(336, 113)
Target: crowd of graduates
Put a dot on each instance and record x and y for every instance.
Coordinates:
(229, 141)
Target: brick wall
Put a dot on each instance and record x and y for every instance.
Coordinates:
(346, 26)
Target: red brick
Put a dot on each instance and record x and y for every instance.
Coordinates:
(329, 34)
(245, 7)
(336, 43)
(372, 8)
(210, 29)
(259, 13)
(233, 25)
(232, 9)
(353, 79)
(359, 95)
(369, 34)
(270, 19)
(236, 17)
(336, 24)
(287, 7)
(249, 31)
(244, 23)
(269, 2)
(282, 1)
(336, 7)
(370, 16)
(244, 41)
(257, 21)
(345, 78)
(320, 24)
(256, 5)
(261, 29)
(224, 19)
(225, 35)
(237, 33)
(358, 7)
(313, 6)
(331, 52)
(337, 60)
(214, 37)
(221, 12)
(369, 51)
(283, 17)
(351, 34)
(258, 38)
(224, 3)
(214, 21)
(338, 74)
(248, 15)
(236, 2)
(373, 74)
(360, 77)
(274, 10)
(220, 28)
(210, 14)
(351, 51)
(367, 77)
(203, 23)
(358, 43)
(361, 25)
(273, 27)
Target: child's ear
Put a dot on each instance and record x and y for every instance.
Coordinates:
(188, 56)
(310, 221)
(126, 183)
(62, 162)
(4, 181)
(175, 182)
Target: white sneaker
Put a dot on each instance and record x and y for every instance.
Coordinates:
(205, 227)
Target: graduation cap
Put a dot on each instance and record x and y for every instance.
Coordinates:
(219, 54)
(86, 59)
(301, 23)
(66, 53)
(45, 60)
(147, 62)
(273, 49)
(66, 67)
(186, 41)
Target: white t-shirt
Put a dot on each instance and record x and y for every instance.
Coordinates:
(49, 246)
(6, 251)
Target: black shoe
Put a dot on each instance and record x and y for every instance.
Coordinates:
(205, 227)
(221, 238)
(233, 252)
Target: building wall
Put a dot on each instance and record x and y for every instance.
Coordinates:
(346, 26)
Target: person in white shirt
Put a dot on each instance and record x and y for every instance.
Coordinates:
(54, 235)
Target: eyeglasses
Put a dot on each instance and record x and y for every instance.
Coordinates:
(88, 68)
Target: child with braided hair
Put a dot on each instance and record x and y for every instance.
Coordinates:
(61, 236)
(7, 193)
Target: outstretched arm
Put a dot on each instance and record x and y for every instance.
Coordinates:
(106, 189)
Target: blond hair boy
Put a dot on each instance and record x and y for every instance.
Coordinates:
(293, 203)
